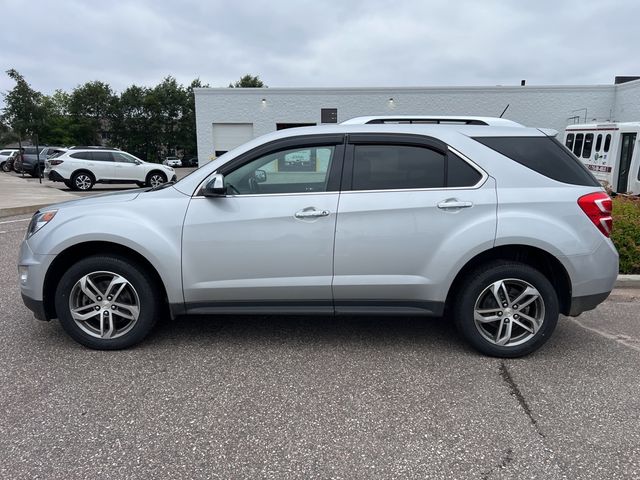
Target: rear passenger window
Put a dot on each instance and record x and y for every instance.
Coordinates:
(588, 144)
(460, 173)
(82, 155)
(544, 155)
(387, 167)
(607, 143)
(577, 147)
(102, 156)
(569, 143)
(599, 142)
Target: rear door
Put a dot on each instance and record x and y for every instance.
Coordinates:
(410, 209)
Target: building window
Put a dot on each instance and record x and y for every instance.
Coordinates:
(329, 115)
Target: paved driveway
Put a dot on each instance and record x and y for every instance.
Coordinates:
(271, 397)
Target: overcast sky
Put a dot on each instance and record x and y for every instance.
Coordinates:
(307, 43)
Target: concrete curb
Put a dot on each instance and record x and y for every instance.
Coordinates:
(21, 210)
(628, 281)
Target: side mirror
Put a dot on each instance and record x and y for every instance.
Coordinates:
(260, 176)
(215, 187)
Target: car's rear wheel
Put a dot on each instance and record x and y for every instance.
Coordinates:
(155, 179)
(506, 309)
(106, 302)
(82, 181)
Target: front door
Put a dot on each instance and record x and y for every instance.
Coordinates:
(127, 168)
(626, 154)
(267, 245)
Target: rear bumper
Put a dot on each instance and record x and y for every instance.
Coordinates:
(585, 303)
(55, 176)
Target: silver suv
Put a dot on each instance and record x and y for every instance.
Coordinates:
(499, 228)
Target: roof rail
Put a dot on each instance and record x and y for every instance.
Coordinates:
(432, 119)
(91, 147)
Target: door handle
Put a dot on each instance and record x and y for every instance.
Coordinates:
(311, 213)
(453, 203)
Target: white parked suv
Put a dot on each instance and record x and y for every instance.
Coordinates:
(172, 162)
(82, 167)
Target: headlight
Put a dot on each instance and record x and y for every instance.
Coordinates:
(39, 220)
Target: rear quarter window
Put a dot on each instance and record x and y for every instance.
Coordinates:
(544, 155)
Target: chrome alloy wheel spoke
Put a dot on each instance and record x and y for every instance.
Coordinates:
(509, 312)
(104, 304)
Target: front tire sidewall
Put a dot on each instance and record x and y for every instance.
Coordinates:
(481, 279)
(152, 174)
(139, 280)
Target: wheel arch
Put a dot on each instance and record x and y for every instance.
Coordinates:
(67, 257)
(535, 257)
(83, 170)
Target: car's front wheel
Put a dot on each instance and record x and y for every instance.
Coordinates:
(107, 302)
(155, 179)
(506, 309)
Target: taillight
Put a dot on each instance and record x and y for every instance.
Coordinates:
(55, 162)
(598, 206)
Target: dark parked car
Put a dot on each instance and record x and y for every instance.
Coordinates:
(190, 162)
(27, 162)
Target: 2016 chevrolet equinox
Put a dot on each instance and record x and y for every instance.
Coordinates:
(496, 226)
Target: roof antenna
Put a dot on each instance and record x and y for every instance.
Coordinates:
(505, 109)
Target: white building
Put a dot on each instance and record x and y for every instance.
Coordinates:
(228, 117)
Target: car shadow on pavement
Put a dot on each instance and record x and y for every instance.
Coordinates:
(305, 330)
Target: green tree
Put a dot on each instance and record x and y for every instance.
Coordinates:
(24, 111)
(248, 81)
(91, 106)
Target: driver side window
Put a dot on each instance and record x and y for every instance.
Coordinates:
(294, 170)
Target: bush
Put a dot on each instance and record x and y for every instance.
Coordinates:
(626, 232)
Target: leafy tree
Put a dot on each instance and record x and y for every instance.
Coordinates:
(90, 105)
(24, 111)
(248, 81)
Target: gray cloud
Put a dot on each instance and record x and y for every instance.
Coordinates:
(319, 43)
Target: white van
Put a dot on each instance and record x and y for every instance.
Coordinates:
(609, 151)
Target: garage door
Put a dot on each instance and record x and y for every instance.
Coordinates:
(231, 135)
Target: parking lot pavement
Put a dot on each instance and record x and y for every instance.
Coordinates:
(272, 397)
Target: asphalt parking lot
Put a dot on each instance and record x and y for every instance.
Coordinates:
(316, 397)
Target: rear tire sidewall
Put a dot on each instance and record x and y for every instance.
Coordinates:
(483, 277)
(139, 279)
(75, 185)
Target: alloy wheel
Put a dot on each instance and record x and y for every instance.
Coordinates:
(104, 304)
(83, 182)
(509, 312)
(155, 180)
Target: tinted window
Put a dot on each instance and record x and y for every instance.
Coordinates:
(82, 155)
(5, 152)
(588, 144)
(577, 147)
(607, 143)
(381, 167)
(31, 150)
(286, 171)
(123, 157)
(570, 141)
(599, 142)
(460, 173)
(544, 155)
(102, 156)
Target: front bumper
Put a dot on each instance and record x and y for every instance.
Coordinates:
(36, 306)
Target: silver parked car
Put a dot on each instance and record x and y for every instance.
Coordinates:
(499, 228)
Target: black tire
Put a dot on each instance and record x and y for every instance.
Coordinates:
(151, 176)
(69, 184)
(139, 280)
(475, 288)
(5, 166)
(82, 181)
